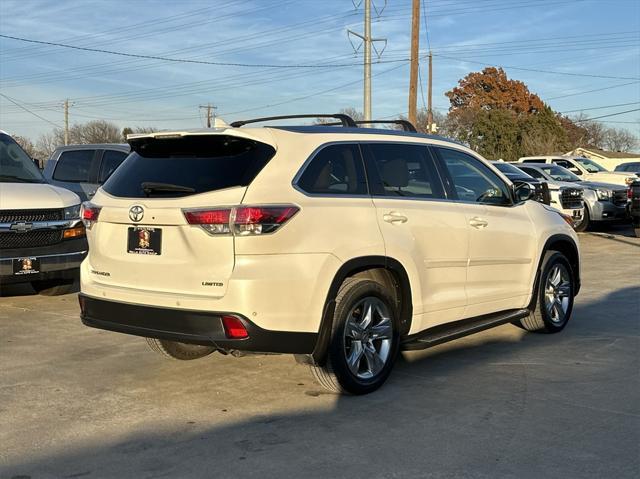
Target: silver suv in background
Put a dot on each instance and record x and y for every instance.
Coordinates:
(84, 168)
(602, 201)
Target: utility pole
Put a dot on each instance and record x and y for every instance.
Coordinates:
(66, 121)
(429, 106)
(415, 50)
(210, 109)
(368, 43)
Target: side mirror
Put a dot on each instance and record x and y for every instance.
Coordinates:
(523, 191)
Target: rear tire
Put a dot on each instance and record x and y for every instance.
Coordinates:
(179, 351)
(553, 303)
(586, 219)
(364, 339)
(54, 287)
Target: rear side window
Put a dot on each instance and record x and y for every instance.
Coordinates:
(111, 159)
(472, 180)
(188, 165)
(402, 170)
(335, 170)
(537, 160)
(74, 166)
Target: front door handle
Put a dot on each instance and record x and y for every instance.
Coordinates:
(478, 222)
(393, 217)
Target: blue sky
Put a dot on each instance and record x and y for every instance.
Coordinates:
(571, 45)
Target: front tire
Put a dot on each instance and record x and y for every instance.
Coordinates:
(179, 351)
(584, 224)
(364, 339)
(553, 303)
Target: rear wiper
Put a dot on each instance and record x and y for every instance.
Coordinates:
(150, 187)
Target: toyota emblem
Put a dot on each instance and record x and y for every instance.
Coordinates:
(136, 213)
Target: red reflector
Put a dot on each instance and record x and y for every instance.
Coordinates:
(275, 215)
(234, 328)
(208, 217)
(90, 212)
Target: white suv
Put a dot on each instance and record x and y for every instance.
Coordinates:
(585, 168)
(341, 245)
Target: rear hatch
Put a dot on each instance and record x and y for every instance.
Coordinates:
(142, 239)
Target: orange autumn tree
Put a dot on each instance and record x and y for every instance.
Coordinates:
(500, 117)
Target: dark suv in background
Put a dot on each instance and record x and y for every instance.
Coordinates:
(84, 168)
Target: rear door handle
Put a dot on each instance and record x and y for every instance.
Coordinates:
(478, 222)
(393, 217)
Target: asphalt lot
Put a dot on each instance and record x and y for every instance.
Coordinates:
(77, 402)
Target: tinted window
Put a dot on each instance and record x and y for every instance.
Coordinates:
(74, 166)
(336, 169)
(196, 163)
(402, 170)
(568, 165)
(509, 169)
(537, 160)
(533, 172)
(110, 161)
(15, 164)
(472, 180)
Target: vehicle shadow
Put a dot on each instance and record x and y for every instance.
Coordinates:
(503, 404)
(25, 289)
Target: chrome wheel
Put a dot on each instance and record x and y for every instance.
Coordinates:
(368, 335)
(557, 293)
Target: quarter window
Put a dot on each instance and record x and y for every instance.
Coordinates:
(74, 166)
(335, 170)
(402, 170)
(472, 180)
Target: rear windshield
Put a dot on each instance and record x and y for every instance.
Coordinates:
(187, 165)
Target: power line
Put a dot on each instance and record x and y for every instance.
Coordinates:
(186, 60)
(607, 116)
(601, 107)
(29, 111)
(592, 91)
(537, 70)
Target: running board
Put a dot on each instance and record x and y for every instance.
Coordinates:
(459, 329)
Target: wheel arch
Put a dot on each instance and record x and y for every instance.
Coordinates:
(381, 268)
(568, 247)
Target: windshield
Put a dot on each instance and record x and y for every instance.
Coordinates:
(510, 169)
(590, 165)
(559, 173)
(15, 164)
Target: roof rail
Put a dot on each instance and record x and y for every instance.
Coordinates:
(345, 120)
(406, 124)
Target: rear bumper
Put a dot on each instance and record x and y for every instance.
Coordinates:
(57, 261)
(189, 326)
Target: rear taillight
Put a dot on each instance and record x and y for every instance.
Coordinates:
(89, 213)
(241, 220)
(215, 222)
(629, 193)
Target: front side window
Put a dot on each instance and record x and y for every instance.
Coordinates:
(402, 170)
(559, 173)
(335, 170)
(472, 180)
(569, 166)
(110, 161)
(74, 166)
(15, 164)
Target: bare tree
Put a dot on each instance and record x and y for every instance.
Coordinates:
(27, 145)
(350, 111)
(618, 139)
(127, 130)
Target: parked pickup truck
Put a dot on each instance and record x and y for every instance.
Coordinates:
(602, 201)
(42, 239)
(84, 168)
(585, 168)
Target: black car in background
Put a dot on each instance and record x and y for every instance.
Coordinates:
(515, 175)
(634, 206)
